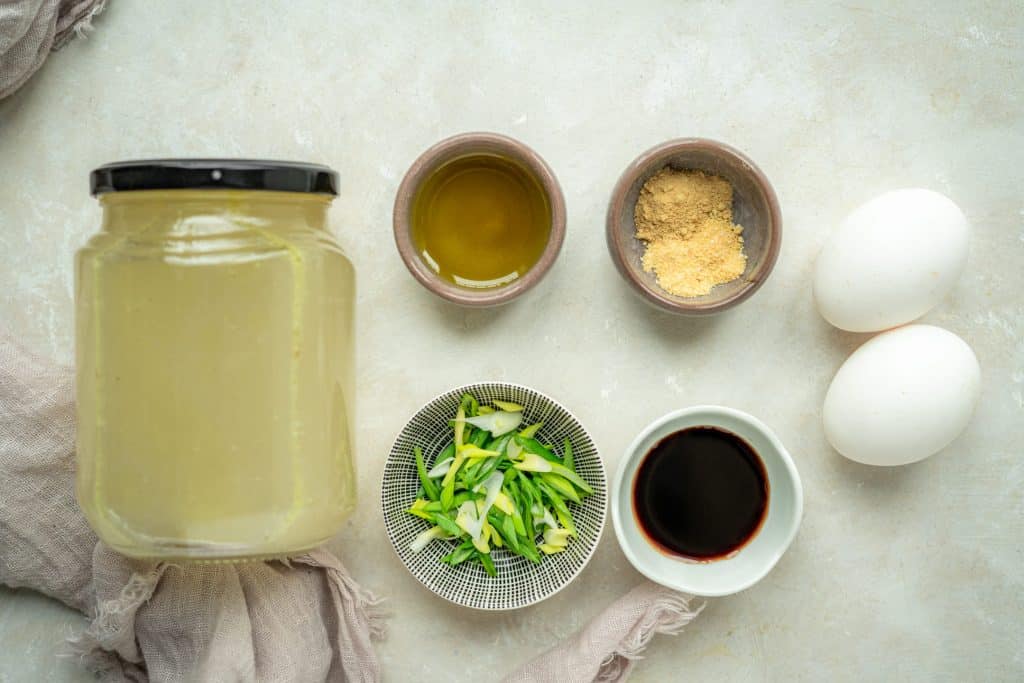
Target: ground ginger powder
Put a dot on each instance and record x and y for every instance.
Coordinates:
(685, 219)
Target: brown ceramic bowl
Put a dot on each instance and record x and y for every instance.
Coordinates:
(755, 207)
(440, 154)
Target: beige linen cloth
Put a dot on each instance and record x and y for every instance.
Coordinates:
(257, 621)
(304, 621)
(606, 649)
(29, 29)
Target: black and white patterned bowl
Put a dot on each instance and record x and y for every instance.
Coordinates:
(519, 582)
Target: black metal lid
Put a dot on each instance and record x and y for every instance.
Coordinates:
(209, 174)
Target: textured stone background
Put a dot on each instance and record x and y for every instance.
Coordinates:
(905, 574)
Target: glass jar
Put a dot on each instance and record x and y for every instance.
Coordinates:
(214, 326)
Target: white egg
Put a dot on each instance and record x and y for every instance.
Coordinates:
(891, 261)
(902, 396)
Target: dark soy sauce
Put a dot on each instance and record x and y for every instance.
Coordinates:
(701, 493)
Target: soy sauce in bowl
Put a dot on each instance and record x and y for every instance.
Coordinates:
(701, 494)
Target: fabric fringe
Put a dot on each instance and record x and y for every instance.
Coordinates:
(672, 615)
(366, 603)
(374, 607)
(81, 26)
(114, 621)
(669, 617)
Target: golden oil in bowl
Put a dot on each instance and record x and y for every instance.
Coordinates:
(481, 221)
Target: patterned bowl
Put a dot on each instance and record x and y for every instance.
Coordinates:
(519, 582)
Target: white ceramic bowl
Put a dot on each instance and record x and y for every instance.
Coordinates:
(755, 559)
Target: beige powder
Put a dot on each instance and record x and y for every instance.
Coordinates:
(685, 219)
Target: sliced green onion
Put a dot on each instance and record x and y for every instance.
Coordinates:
(485, 560)
(556, 500)
(448, 484)
(460, 426)
(441, 468)
(504, 503)
(560, 485)
(419, 509)
(472, 452)
(565, 519)
(469, 404)
(498, 423)
(495, 490)
(492, 486)
(425, 537)
(544, 515)
(533, 446)
(576, 479)
(529, 432)
(429, 487)
(479, 437)
(460, 554)
(532, 462)
(556, 537)
(447, 524)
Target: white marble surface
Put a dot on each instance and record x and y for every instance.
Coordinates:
(914, 573)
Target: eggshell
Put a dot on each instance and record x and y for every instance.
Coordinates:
(891, 260)
(902, 396)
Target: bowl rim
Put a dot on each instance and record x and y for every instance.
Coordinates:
(659, 154)
(602, 523)
(420, 170)
(632, 452)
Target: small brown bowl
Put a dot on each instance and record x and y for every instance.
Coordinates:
(440, 154)
(755, 207)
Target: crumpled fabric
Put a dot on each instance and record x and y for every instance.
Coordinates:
(304, 620)
(606, 649)
(30, 29)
